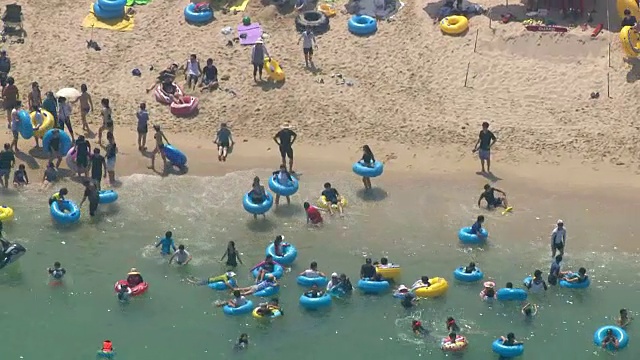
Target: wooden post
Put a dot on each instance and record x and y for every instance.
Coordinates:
(489, 15)
(466, 77)
(475, 45)
(608, 86)
(609, 53)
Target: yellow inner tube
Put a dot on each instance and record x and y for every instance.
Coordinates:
(391, 273)
(47, 123)
(324, 204)
(454, 25)
(439, 287)
(6, 213)
(630, 40)
(327, 9)
(258, 316)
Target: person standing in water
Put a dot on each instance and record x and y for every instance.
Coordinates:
(182, 256)
(486, 139)
(224, 140)
(159, 149)
(558, 238)
(86, 105)
(57, 272)
(232, 255)
(313, 214)
(98, 164)
(367, 160)
(91, 193)
(285, 139)
(83, 149)
(167, 244)
(282, 177)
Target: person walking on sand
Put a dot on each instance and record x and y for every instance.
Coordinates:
(308, 43)
(86, 105)
(64, 116)
(160, 139)
(258, 53)
(558, 239)
(192, 71)
(224, 140)
(7, 161)
(15, 125)
(107, 119)
(143, 126)
(51, 105)
(285, 139)
(486, 139)
(10, 96)
(35, 97)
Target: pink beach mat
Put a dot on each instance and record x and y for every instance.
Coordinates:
(252, 33)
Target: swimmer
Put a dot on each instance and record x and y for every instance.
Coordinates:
(59, 196)
(243, 342)
(225, 278)
(470, 268)
(107, 348)
(610, 338)
(577, 278)
(529, 310)
(510, 340)
(313, 214)
(134, 278)
(57, 271)
(367, 270)
(333, 282)
(267, 308)
(312, 271)
(452, 326)
(422, 283)
(333, 198)
(182, 256)
(314, 292)
(409, 300)
(237, 300)
(384, 263)
(476, 228)
(489, 291)
(269, 281)
(537, 284)
(493, 201)
(124, 293)
(509, 285)
(624, 318)
(167, 244)
(266, 267)
(401, 291)
(417, 328)
(345, 285)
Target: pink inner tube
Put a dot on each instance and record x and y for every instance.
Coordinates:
(71, 159)
(163, 97)
(188, 107)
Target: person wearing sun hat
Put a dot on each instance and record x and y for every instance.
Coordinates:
(558, 238)
(489, 291)
(258, 53)
(134, 278)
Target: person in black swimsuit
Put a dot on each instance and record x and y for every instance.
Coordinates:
(232, 255)
(82, 155)
(493, 201)
(285, 139)
(54, 147)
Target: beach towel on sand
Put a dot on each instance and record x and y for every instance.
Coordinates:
(137, 2)
(249, 34)
(91, 21)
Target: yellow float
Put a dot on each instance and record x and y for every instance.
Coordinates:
(6, 213)
(389, 273)
(276, 313)
(632, 5)
(439, 287)
(454, 25)
(324, 204)
(273, 69)
(327, 9)
(47, 123)
(630, 40)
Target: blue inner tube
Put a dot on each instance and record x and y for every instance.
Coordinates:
(105, 14)
(283, 190)
(278, 271)
(575, 285)
(467, 237)
(270, 291)
(65, 141)
(362, 25)
(373, 287)
(112, 4)
(315, 303)
(241, 310)
(460, 275)
(620, 334)
(257, 209)
(175, 156)
(66, 213)
(197, 17)
(507, 351)
(107, 196)
(220, 285)
(26, 128)
(506, 294)
(368, 171)
(320, 281)
(290, 254)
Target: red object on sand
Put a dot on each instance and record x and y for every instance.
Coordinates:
(597, 30)
(546, 28)
(188, 107)
(135, 290)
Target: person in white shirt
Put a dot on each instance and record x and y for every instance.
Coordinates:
(335, 280)
(308, 43)
(192, 71)
(181, 255)
(237, 300)
(312, 271)
(558, 239)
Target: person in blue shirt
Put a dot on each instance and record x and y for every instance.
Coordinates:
(476, 228)
(167, 244)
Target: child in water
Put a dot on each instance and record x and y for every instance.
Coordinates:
(107, 350)
(624, 318)
(530, 310)
(417, 328)
(57, 272)
(20, 177)
(452, 326)
(167, 244)
(124, 293)
(243, 342)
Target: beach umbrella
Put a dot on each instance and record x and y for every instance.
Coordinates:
(68, 93)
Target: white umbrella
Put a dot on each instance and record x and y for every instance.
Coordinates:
(68, 93)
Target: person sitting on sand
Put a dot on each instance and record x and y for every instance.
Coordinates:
(624, 318)
(134, 278)
(282, 177)
(422, 283)
(313, 214)
(332, 198)
(580, 277)
(192, 71)
(529, 310)
(416, 327)
(235, 302)
(209, 76)
(492, 201)
(269, 281)
(168, 74)
(610, 338)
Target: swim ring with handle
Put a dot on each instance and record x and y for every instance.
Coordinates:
(65, 212)
(257, 209)
(310, 303)
(361, 169)
(506, 351)
(467, 237)
(460, 275)
(454, 25)
(289, 256)
(112, 5)
(373, 287)
(197, 17)
(618, 332)
(26, 129)
(48, 122)
(240, 310)
(507, 294)
(65, 141)
(362, 25)
(283, 190)
(575, 285)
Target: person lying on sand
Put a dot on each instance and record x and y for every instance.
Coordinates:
(167, 74)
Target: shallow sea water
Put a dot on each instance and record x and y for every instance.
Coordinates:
(414, 222)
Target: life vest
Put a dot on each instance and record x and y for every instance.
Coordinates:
(107, 346)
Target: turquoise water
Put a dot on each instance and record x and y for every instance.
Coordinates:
(414, 223)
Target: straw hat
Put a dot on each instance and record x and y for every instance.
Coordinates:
(133, 270)
(259, 41)
(285, 125)
(402, 288)
(489, 284)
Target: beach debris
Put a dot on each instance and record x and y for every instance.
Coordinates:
(91, 44)
(595, 95)
(226, 30)
(136, 72)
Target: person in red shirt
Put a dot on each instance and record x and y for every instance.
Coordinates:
(313, 214)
